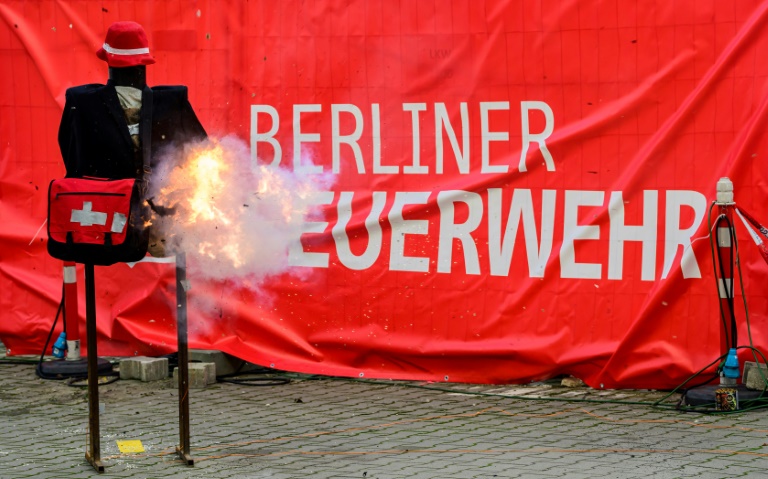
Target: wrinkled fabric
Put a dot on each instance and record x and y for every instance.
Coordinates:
(521, 189)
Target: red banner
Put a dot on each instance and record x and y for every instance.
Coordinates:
(517, 187)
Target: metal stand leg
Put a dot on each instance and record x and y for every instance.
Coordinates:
(181, 328)
(93, 450)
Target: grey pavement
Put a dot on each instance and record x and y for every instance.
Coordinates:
(334, 428)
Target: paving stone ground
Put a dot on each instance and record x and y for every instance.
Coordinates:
(332, 428)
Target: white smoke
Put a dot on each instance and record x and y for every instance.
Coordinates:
(235, 220)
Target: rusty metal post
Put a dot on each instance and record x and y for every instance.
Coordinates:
(181, 330)
(93, 448)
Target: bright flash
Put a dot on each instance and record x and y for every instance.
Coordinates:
(236, 216)
(206, 169)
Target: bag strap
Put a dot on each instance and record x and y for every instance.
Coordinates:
(146, 139)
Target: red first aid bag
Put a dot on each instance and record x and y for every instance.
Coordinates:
(97, 221)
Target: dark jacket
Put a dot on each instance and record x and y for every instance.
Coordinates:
(94, 138)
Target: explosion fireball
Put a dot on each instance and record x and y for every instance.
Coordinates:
(235, 218)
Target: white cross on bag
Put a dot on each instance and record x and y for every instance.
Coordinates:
(86, 217)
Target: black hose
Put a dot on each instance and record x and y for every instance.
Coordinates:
(730, 339)
(254, 377)
(73, 379)
(38, 368)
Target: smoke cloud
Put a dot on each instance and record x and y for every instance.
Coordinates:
(235, 220)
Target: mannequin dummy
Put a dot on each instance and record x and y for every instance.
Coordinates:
(110, 131)
(94, 135)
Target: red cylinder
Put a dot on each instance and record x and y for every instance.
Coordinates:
(70, 302)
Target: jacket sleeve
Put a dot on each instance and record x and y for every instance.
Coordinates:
(174, 118)
(68, 141)
(192, 127)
